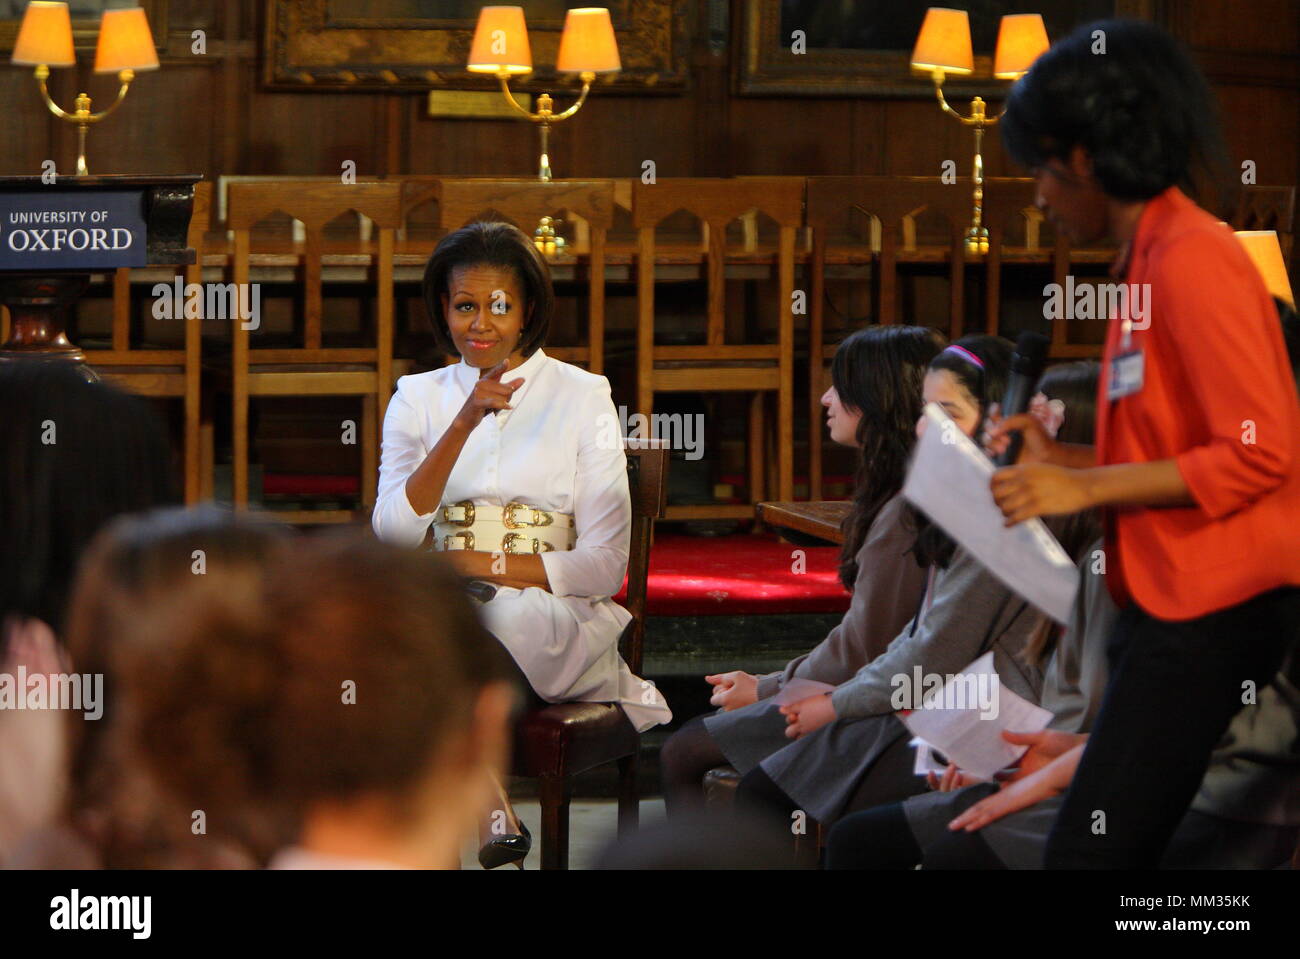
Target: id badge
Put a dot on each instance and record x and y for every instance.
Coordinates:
(1125, 375)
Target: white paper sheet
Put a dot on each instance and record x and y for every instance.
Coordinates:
(969, 736)
(949, 480)
(925, 761)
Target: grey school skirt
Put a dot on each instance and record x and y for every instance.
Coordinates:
(1019, 840)
(748, 735)
(821, 771)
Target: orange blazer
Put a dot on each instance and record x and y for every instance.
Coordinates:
(1218, 397)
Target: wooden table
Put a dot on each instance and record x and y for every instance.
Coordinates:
(807, 524)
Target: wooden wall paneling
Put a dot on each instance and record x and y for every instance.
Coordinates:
(28, 125)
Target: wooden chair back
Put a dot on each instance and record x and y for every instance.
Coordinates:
(894, 202)
(316, 204)
(716, 365)
(647, 480)
(1007, 199)
(716, 202)
(312, 368)
(121, 353)
(165, 372)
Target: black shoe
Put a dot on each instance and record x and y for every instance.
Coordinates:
(506, 850)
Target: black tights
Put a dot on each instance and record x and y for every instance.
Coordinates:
(688, 754)
(881, 838)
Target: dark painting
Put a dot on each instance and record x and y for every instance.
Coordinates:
(894, 25)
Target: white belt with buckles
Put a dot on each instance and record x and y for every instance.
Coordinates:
(514, 528)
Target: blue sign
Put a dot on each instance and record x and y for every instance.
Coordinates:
(72, 230)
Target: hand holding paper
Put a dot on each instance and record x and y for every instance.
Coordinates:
(957, 721)
(949, 480)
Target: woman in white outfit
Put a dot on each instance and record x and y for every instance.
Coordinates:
(515, 462)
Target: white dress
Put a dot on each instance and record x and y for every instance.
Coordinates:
(551, 451)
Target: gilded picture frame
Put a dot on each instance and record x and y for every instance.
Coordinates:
(379, 44)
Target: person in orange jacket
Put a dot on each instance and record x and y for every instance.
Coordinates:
(1196, 463)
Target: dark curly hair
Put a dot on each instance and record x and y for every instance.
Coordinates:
(491, 243)
(1141, 109)
(877, 371)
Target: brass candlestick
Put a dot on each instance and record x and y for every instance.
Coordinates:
(977, 234)
(81, 114)
(544, 116)
(944, 46)
(45, 40)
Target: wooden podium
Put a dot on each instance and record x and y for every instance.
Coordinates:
(54, 233)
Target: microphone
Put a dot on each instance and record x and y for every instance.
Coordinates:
(1026, 367)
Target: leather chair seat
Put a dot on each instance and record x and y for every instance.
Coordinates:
(720, 787)
(564, 739)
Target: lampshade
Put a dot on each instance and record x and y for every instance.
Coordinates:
(1022, 38)
(944, 42)
(45, 36)
(1266, 253)
(588, 44)
(125, 42)
(500, 42)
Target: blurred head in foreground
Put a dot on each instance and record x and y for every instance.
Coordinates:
(347, 693)
(138, 567)
(73, 455)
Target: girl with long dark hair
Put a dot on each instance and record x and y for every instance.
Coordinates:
(849, 750)
(872, 404)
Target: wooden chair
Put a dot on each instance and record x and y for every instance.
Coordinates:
(313, 369)
(167, 372)
(524, 202)
(1005, 199)
(894, 202)
(717, 366)
(555, 743)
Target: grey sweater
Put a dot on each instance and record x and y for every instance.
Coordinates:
(1077, 670)
(968, 612)
(886, 593)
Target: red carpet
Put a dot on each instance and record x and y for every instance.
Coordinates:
(740, 575)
